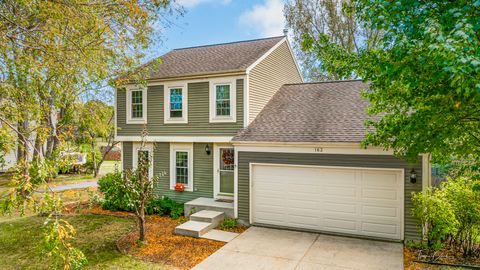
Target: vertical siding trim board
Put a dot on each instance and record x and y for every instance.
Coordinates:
(331, 160)
(127, 153)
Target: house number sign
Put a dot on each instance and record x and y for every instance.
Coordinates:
(318, 149)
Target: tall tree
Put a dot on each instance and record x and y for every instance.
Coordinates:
(95, 120)
(424, 78)
(327, 21)
(51, 52)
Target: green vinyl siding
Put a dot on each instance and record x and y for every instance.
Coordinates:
(198, 114)
(366, 161)
(127, 148)
(202, 173)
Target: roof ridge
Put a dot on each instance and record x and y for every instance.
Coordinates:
(225, 43)
(332, 81)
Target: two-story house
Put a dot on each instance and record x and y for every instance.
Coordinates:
(235, 124)
(196, 101)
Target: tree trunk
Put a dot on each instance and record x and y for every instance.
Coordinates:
(100, 162)
(37, 151)
(94, 158)
(141, 226)
(22, 146)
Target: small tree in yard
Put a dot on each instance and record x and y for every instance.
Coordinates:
(138, 186)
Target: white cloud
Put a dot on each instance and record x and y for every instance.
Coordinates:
(266, 19)
(193, 3)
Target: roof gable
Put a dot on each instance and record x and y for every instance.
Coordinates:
(227, 57)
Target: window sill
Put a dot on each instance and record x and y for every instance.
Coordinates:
(185, 190)
(175, 121)
(136, 121)
(227, 119)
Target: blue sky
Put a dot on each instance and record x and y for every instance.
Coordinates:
(216, 21)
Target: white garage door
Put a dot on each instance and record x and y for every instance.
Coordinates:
(366, 202)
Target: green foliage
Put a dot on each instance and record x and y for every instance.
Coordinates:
(464, 197)
(436, 216)
(165, 207)
(89, 166)
(115, 196)
(424, 75)
(228, 223)
(58, 234)
(116, 199)
(337, 33)
(452, 212)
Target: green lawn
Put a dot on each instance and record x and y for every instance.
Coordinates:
(109, 166)
(96, 237)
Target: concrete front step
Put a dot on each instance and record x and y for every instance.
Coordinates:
(194, 228)
(213, 217)
(200, 204)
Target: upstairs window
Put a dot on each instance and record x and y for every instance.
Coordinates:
(136, 105)
(176, 103)
(222, 100)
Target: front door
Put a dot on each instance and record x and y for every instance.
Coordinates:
(225, 172)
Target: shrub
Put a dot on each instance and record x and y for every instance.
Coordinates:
(435, 215)
(89, 168)
(165, 207)
(115, 197)
(451, 211)
(228, 223)
(464, 197)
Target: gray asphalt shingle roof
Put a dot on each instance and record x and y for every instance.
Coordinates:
(311, 112)
(235, 56)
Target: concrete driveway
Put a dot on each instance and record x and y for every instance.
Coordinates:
(262, 248)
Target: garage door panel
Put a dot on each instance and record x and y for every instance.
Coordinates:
(340, 191)
(379, 180)
(296, 203)
(380, 229)
(341, 200)
(340, 207)
(381, 194)
(380, 211)
(336, 224)
(338, 178)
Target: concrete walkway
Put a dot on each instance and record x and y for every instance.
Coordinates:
(73, 186)
(262, 248)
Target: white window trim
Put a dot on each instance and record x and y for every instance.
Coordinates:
(131, 120)
(166, 98)
(233, 101)
(147, 147)
(183, 147)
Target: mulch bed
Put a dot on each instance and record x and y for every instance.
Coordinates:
(417, 259)
(165, 247)
(162, 245)
(236, 229)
